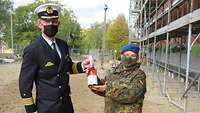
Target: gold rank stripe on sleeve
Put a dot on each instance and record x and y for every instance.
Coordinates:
(74, 68)
(28, 101)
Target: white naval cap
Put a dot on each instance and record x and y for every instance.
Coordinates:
(48, 11)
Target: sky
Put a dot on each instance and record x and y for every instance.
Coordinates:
(90, 11)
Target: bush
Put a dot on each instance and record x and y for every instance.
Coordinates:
(195, 50)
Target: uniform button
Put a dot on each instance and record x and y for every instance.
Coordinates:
(61, 98)
(58, 75)
(68, 73)
(24, 94)
(60, 86)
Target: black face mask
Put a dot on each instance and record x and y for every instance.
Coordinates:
(50, 30)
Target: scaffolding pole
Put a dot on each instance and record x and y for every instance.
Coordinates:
(140, 45)
(145, 19)
(143, 50)
(188, 65)
(141, 18)
(147, 55)
(154, 59)
(166, 52)
(166, 62)
(154, 50)
(188, 59)
(130, 13)
(180, 56)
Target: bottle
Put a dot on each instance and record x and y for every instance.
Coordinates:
(92, 73)
(92, 77)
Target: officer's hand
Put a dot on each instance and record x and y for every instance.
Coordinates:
(87, 64)
(99, 88)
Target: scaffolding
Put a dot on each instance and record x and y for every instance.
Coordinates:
(133, 15)
(158, 24)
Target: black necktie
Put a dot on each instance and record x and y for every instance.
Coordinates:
(54, 49)
(54, 46)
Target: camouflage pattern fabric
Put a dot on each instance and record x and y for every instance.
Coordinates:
(125, 90)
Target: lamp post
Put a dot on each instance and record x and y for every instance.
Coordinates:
(1, 44)
(103, 37)
(11, 31)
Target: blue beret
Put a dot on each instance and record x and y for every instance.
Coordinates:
(130, 47)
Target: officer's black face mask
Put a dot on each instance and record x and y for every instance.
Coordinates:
(50, 30)
(128, 61)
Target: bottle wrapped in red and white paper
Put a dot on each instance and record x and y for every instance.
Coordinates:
(92, 73)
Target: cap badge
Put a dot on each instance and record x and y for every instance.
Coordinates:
(49, 10)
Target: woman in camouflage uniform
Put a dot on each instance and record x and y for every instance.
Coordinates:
(124, 87)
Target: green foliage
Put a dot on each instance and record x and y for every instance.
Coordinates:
(92, 36)
(195, 50)
(24, 24)
(117, 34)
(25, 30)
(69, 29)
(6, 6)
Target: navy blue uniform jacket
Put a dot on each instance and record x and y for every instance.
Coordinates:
(41, 65)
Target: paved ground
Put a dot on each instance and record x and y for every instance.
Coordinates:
(84, 100)
(154, 102)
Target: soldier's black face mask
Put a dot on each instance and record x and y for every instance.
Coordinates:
(50, 30)
(128, 61)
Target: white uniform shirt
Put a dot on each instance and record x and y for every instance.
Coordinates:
(50, 44)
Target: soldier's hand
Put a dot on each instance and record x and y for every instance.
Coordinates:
(99, 88)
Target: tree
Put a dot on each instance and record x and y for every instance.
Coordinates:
(25, 30)
(70, 29)
(117, 34)
(6, 6)
(92, 36)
